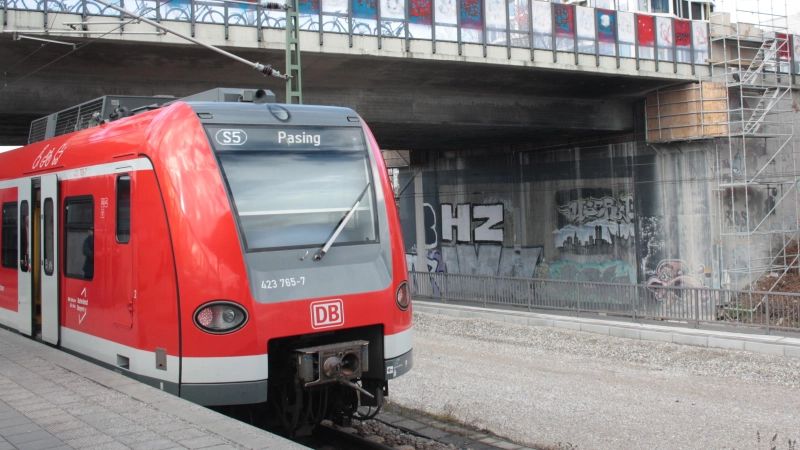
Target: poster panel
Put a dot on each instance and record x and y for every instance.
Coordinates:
(564, 20)
(365, 9)
(700, 41)
(664, 38)
(471, 17)
(683, 33)
(607, 32)
(446, 20)
(391, 9)
(542, 17)
(683, 40)
(496, 14)
(606, 26)
(627, 27)
(646, 28)
(542, 25)
(796, 52)
(585, 22)
(518, 15)
(334, 6)
(308, 6)
(446, 12)
(664, 34)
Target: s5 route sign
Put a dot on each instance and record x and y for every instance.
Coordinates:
(327, 314)
(231, 137)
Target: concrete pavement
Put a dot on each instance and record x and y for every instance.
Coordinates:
(52, 400)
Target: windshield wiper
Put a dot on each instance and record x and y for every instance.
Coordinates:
(338, 230)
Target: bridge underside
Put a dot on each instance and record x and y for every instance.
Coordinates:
(409, 103)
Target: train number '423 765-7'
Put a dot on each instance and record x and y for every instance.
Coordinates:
(283, 282)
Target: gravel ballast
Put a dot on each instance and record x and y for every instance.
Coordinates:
(555, 388)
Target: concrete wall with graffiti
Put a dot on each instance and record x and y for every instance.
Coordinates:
(621, 213)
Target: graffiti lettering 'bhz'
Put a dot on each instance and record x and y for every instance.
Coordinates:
(607, 208)
(490, 229)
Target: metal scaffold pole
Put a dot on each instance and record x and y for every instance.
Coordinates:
(757, 180)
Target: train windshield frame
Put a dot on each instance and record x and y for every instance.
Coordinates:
(291, 186)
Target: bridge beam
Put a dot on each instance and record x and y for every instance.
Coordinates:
(413, 100)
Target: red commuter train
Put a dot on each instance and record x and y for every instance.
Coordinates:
(229, 252)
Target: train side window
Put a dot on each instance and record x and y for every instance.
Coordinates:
(24, 257)
(9, 241)
(49, 241)
(124, 209)
(79, 237)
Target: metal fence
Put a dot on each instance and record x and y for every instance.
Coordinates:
(765, 310)
(521, 24)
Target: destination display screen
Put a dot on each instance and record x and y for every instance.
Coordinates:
(292, 186)
(241, 138)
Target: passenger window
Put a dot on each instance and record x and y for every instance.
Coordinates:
(9, 242)
(24, 256)
(124, 209)
(49, 263)
(79, 238)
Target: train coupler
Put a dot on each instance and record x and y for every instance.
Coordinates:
(333, 364)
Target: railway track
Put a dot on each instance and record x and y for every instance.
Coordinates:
(331, 437)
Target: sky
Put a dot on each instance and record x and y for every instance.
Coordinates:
(788, 7)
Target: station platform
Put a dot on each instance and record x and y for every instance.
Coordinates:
(50, 399)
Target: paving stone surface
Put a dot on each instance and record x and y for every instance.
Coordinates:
(44, 406)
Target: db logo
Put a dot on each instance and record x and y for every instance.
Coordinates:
(329, 313)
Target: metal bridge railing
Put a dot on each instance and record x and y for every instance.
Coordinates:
(765, 310)
(527, 25)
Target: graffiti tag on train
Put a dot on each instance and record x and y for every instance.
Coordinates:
(50, 158)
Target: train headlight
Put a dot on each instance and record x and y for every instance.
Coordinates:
(220, 317)
(403, 296)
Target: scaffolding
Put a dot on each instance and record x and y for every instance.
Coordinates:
(756, 169)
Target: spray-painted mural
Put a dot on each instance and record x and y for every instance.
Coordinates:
(591, 220)
(617, 213)
(605, 271)
(472, 237)
(487, 218)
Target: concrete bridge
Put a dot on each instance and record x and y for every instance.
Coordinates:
(463, 83)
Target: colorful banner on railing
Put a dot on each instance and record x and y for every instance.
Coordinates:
(420, 12)
(606, 26)
(796, 53)
(471, 17)
(308, 6)
(516, 23)
(365, 9)
(564, 20)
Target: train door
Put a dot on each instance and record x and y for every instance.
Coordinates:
(122, 262)
(25, 282)
(50, 269)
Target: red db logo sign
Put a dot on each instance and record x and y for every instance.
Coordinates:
(326, 314)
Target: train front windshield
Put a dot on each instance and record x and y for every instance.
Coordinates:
(293, 186)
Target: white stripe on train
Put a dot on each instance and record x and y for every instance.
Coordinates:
(129, 165)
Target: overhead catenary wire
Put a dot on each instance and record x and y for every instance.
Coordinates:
(265, 69)
(76, 48)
